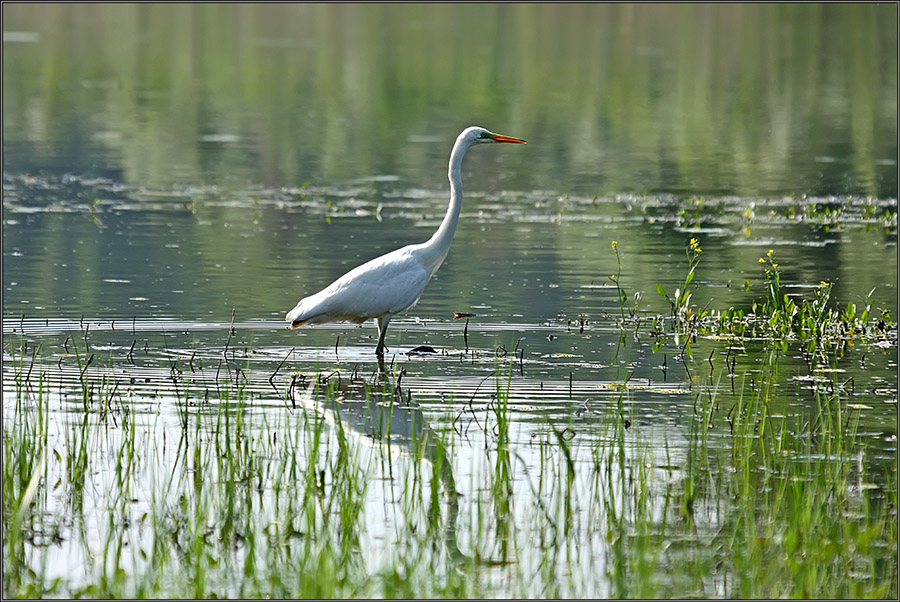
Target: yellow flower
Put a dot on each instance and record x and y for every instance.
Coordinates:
(615, 244)
(770, 253)
(762, 259)
(774, 265)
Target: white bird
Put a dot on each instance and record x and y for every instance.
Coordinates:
(393, 282)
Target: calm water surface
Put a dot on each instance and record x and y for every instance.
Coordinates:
(171, 170)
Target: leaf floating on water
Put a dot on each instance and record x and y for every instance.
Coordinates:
(611, 386)
(637, 387)
(459, 315)
(421, 349)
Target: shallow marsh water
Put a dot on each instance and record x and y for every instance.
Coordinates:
(160, 215)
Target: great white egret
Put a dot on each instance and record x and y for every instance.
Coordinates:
(393, 282)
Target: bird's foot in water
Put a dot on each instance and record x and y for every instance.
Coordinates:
(380, 358)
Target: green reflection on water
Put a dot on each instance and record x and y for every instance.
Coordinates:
(743, 99)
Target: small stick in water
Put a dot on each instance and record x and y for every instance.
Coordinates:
(521, 353)
(88, 363)
(272, 377)
(466, 335)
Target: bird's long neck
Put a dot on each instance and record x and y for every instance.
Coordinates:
(439, 244)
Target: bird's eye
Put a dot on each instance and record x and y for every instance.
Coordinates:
(485, 135)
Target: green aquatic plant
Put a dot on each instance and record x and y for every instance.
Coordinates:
(819, 324)
(621, 296)
(799, 500)
(680, 302)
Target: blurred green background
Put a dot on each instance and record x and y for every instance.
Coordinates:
(746, 99)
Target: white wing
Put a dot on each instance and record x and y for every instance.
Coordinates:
(384, 285)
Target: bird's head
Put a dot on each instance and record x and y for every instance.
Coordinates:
(478, 135)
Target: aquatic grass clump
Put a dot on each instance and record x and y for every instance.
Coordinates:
(819, 324)
(811, 321)
(336, 487)
(804, 520)
(226, 523)
(25, 450)
(767, 507)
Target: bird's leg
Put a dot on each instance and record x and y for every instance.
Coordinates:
(382, 330)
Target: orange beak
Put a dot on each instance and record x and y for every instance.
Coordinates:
(502, 138)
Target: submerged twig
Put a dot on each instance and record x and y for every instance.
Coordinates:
(471, 408)
(466, 335)
(88, 363)
(687, 340)
(290, 392)
(521, 353)
(33, 355)
(230, 334)
(272, 377)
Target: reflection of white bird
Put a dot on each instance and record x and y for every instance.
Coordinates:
(393, 282)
